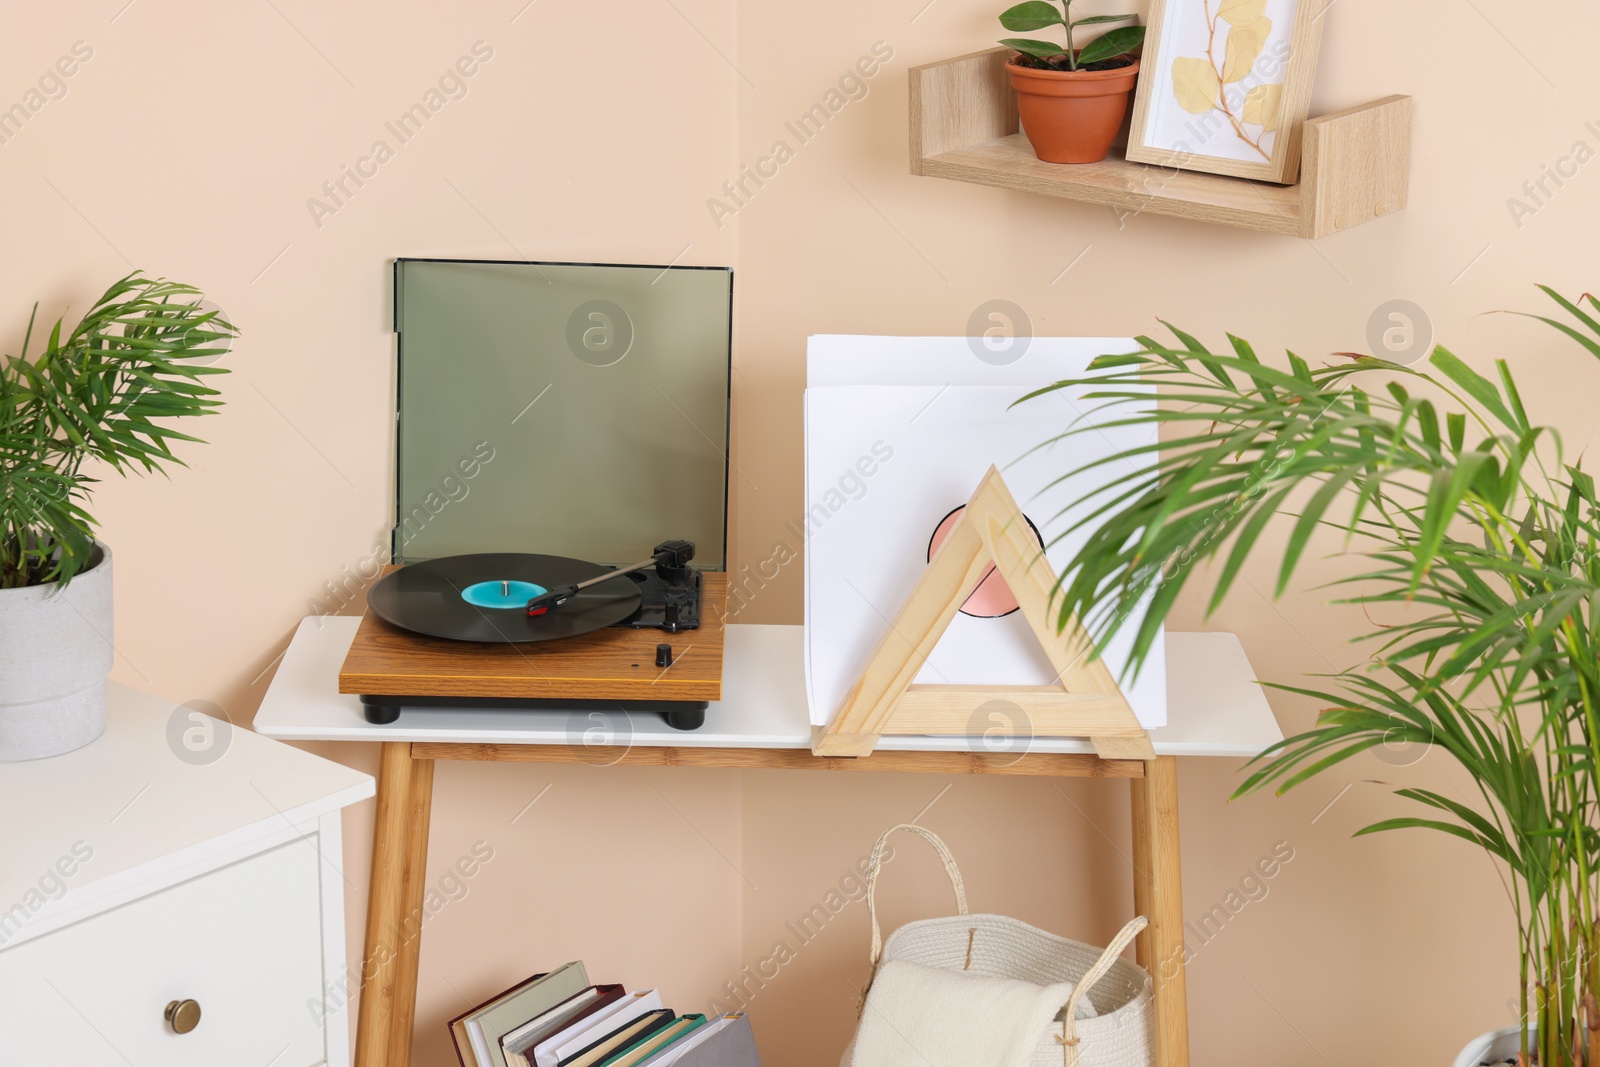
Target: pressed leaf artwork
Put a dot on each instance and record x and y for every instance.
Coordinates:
(1241, 12)
(1262, 106)
(1244, 48)
(1236, 34)
(1196, 84)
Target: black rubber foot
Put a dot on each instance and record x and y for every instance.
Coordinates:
(381, 714)
(691, 719)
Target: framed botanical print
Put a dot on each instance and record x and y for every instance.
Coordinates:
(1226, 84)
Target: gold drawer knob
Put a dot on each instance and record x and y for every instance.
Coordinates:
(182, 1015)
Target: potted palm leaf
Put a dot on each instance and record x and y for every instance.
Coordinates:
(1469, 527)
(94, 398)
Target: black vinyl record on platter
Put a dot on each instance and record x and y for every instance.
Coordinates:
(483, 598)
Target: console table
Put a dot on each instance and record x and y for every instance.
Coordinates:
(1215, 708)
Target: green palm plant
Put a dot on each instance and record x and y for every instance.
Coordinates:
(95, 393)
(1465, 521)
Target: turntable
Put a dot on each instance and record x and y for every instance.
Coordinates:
(549, 415)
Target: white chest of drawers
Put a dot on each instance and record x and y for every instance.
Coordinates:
(174, 864)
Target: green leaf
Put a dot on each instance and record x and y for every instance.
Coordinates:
(1034, 15)
(1582, 484)
(1191, 343)
(1247, 355)
(1474, 384)
(1037, 49)
(1095, 20)
(1242, 545)
(1573, 309)
(1448, 487)
(1300, 369)
(1307, 523)
(1423, 824)
(1513, 397)
(1428, 422)
(1112, 43)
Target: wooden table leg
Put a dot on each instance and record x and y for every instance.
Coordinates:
(394, 909)
(1158, 895)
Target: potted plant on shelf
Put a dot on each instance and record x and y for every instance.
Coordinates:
(1071, 100)
(91, 396)
(1469, 526)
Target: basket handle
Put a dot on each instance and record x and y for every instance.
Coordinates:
(876, 865)
(1069, 1024)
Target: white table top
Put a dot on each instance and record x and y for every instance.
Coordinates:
(1214, 706)
(149, 810)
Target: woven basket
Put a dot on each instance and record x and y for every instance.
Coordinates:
(1122, 1031)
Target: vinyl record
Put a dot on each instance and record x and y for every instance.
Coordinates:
(484, 597)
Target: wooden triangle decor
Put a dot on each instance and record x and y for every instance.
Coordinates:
(1085, 701)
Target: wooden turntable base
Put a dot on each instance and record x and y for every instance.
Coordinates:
(615, 663)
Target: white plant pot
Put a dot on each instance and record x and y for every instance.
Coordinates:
(55, 653)
(1497, 1046)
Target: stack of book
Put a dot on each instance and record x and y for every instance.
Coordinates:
(560, 1020)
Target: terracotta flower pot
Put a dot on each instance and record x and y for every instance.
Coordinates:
(1072, 116)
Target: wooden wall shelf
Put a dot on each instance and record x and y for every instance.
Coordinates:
(1355, 163)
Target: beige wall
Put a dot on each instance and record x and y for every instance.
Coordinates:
(189, 145)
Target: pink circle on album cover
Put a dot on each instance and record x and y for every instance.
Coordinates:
(992, 598)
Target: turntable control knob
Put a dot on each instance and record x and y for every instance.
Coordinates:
(669, 622)
(663, 656)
